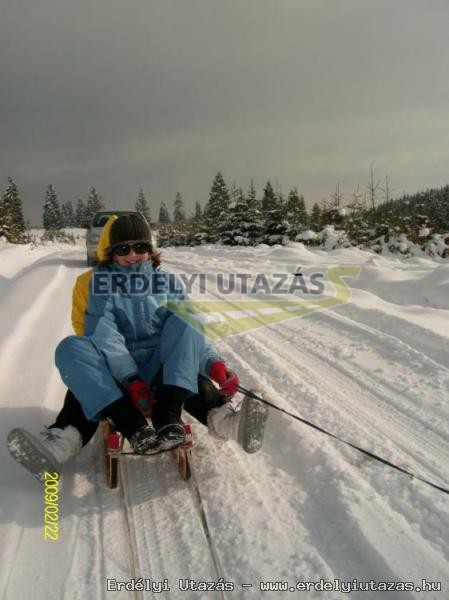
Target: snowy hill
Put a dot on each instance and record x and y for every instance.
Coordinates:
(374, 371)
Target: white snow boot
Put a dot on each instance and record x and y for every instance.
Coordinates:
(39, 456)
(244, 424)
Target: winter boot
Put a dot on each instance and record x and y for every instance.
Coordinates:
(170, 436)
(244, 424)
(38, 456)
(144, 440)
(167, 416)
(132, 424)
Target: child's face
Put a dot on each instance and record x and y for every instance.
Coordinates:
(131, 257)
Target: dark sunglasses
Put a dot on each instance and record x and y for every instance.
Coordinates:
(124, 249)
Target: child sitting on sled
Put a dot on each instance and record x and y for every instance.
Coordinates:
(136, 360)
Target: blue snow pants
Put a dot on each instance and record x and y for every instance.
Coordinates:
(85, 372)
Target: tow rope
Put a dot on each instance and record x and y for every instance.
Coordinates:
(354, 446)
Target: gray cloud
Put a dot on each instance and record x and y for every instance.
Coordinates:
(162, 94)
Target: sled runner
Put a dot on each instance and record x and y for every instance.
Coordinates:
(113, 448)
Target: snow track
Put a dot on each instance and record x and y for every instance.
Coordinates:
(375, 386)
(166, 532)
(375, 372)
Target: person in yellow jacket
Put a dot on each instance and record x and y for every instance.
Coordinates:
(80, 295)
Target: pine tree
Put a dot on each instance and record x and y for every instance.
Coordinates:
(198, 212)
(68, 214)
(94, 204)
(81, 219)
(164, 216)
(275, 227)
(372, 187)
(254, 215)
(179, 215)
(234, 193)
(217, 206)
(52, 216)
(302, 211)
(442, 210)
(281, 201)
(12, 206)
(235, 226)
(296, 212)
(315, 217)
(268, 199)
(332, 211)
(337, 197)
(142, 206)
(4, 222)
(244, 226)
(326, 211)
(252, 199)
(357, 224)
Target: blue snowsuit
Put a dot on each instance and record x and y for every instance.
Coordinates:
(129, 331)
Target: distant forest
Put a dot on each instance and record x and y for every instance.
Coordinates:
(234, 216)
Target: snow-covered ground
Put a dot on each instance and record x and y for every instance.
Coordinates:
(306, 508)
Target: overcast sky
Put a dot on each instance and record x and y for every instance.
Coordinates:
(161, 94)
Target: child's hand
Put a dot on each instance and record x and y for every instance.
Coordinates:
(227, 380)
(141, 397)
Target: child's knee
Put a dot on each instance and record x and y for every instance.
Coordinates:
(70, 347)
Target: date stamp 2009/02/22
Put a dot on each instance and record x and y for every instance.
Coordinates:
(51, 507)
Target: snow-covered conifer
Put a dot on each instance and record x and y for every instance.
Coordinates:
(94, 204)
(198, 212)
(217, 207)
(142, 206)
(269, 200)
(234, 229)
(81, 218)
(68, 214)
(252, 199)
(296, 212)
(315, 217)
(275, 227)
(179, 215)
(52, 216)
(357, 221)
(13, 215)
(254, 225)
(164, 216)
(4, 222)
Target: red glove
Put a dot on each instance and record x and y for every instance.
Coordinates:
(227, 380)
(141, 397)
